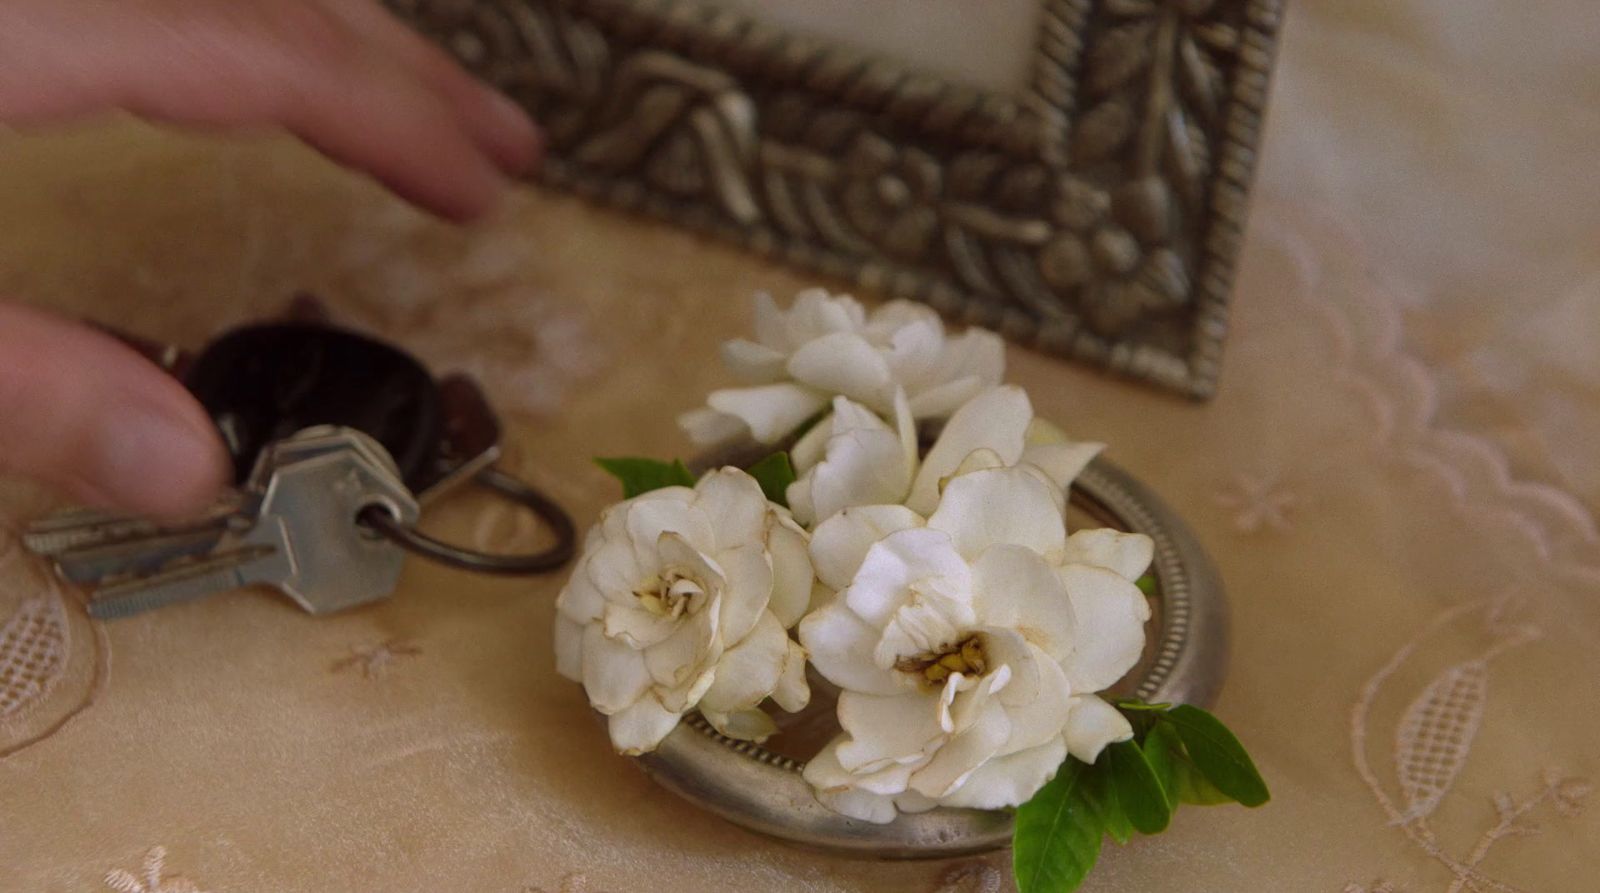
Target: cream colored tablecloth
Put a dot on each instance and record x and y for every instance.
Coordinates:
(1397, 482)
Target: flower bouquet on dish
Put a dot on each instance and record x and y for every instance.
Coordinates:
(905, 537)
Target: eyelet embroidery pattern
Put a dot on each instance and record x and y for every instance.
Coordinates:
(1258, 502)
(1434, 738)
(152, 877)
(33, 646)
(1545, 526)
(54, 661)
(374, 661)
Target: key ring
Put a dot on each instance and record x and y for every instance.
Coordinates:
(518, 491)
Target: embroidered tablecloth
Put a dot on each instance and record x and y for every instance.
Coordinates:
(1397, 481)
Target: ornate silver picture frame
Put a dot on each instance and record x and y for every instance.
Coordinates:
(1095, 214)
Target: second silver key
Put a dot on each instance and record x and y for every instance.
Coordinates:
(305, 541)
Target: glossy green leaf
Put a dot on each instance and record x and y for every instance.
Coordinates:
(774, 474)
(1147, 584)
(1101, 795)
(1057, 834)
(1218, 754)
(1179, 776)
(643, 475)
(1139, 792)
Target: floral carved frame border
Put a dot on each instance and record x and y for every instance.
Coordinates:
(1096, 214)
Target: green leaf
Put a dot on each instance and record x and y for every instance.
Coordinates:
(1179, 776)
(1101, 795)
(774, 474)
(1218, 754)
(643, 475)
(1139, 792)
(1147, 584)
(1057, 834)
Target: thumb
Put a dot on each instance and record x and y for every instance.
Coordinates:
(85, 413)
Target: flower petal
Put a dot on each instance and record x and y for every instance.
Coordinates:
(942, 399)
(793, 692)
(812, 445)
(915, 344)
(1061, 462)
(636, 627)
(680, 657)
(963, 754)
(834, 788)
(1043, 716)
(742, 725)
(844, 363)
(816, 313)
(707, 427)
(996, 419)
(978, 353)
(913, 802)
(882, 585)
(580, 601)
(569, 648)
(770, 411)
(614, 675)
(749, 671)
(1111, 613)
(840, 543)
(1016, 589)
(1126, 554)
(1000, 506)
(980, 459)
(791, 572)
(733, 499)
(640, 728)
(753, 363)
(770, 327)
(864, 465)
(614, 569)
(648, 519)
(840, 644)
(748, 571)
(939, 613)
(1010, 780)
(1091, 725)
(887, 730)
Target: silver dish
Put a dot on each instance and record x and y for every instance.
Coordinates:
(760, 788)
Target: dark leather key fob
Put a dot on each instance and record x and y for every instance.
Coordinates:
(262, 383)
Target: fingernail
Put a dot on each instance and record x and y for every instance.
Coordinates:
(516, 120)
(157, 460)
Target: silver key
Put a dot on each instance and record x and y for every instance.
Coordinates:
(297, 533)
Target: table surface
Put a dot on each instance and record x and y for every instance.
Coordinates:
(1396, 483)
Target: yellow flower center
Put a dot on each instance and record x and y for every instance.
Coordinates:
(667, 594)
(965, 657)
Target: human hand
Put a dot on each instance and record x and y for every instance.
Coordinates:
(78, 409)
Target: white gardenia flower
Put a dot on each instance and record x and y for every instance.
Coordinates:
(854, 457)
(968, 646)
(826, 345)
(681, 600)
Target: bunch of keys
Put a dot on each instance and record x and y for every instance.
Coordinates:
(338, 442)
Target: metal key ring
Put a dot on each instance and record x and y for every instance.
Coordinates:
(418, 543)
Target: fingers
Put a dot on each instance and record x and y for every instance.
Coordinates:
(344, 75)
(83, 412)
(410, 139)
(498, 124)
